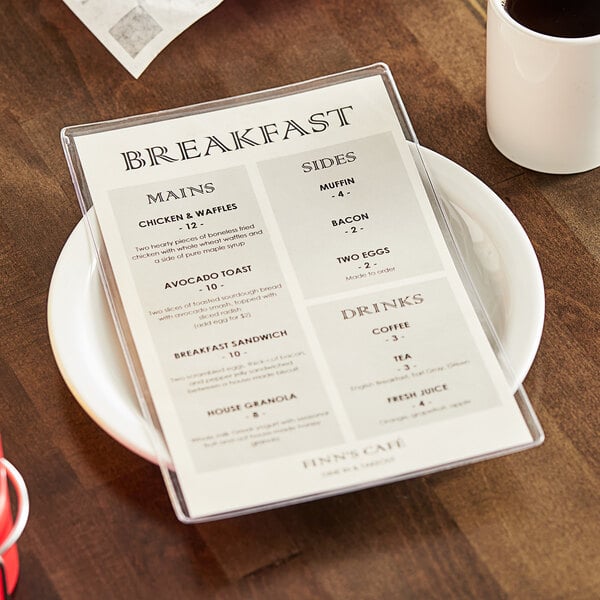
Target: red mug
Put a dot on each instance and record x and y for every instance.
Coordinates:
(10, 529)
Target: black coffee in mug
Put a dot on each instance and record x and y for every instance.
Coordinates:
(559, 18)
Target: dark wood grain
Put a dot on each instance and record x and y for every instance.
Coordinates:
(101, 527)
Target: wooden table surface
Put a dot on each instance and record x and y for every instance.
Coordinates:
(101, 525)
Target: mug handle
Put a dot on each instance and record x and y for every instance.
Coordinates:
(23, 506)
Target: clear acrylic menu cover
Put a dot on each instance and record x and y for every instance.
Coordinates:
(295, 314)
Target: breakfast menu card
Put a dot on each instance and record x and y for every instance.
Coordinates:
(300, 326)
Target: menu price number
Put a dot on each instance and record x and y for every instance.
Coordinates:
(354, 229)
(191, 225)
(340, 194)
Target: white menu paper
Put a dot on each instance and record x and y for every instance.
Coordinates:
(298, 318)
(134, 31)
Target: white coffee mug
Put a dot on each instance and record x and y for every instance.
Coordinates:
(542, 95)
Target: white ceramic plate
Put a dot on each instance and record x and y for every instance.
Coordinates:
(497, 251)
